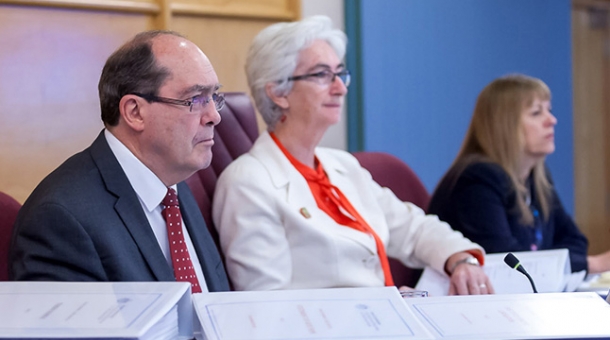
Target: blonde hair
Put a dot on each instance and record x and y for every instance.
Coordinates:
(495, 135)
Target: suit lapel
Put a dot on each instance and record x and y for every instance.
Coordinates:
(129, 209)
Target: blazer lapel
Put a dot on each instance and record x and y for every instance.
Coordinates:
(297, 192)
(129, 209)
(284, 176)
(272, 158)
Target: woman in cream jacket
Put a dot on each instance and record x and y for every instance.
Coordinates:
(293, 215)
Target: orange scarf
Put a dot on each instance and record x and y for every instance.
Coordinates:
(332, 201)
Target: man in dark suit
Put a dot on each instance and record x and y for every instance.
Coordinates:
(98, 217)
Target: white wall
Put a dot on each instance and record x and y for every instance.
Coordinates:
(336, 136)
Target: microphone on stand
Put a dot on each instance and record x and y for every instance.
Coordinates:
(513, 262)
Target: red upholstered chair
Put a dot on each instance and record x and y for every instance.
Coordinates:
(233, 137)
(391, 172)
(8, 213)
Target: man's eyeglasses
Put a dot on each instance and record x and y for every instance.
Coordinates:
(195, 104)
(325, 77)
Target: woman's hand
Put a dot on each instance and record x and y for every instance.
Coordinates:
(598, 263)
(406, 289)
(467, 279)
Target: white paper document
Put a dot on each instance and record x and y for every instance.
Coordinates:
(339, 313)
(549, 269)
(515, 316)
(599, 283)
(72, 310)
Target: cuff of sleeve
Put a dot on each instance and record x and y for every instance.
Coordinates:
(478, 254)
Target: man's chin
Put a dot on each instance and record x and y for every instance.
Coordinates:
(204, 160)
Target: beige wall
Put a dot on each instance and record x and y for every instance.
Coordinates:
(53, 51)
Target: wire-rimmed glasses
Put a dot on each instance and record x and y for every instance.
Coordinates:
(195, 104)
(325, 77)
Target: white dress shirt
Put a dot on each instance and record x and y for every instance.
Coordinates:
(151, 191)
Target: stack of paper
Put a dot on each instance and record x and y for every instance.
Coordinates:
(380, 313)
(550, 270)
(341, 313)
(515, 316)
(599, 283)
(107, 310)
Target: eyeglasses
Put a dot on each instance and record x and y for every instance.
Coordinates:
(195, 104)
(325, 77)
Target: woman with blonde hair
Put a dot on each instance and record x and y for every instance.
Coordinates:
(498, 192)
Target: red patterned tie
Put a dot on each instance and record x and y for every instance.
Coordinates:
(183, 267)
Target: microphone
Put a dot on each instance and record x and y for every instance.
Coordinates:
(513, 262)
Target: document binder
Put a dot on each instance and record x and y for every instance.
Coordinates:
(339, 313)
(96, 310)
(380, 313)
(515, 316)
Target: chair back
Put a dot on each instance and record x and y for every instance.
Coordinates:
(391, 172)
(9, 208)
(233, 137)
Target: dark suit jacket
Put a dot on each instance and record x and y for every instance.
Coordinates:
(84, 222)
(481, 204)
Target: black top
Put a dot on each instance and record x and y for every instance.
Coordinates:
(482, 205)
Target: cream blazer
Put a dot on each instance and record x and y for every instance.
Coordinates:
(274, 236)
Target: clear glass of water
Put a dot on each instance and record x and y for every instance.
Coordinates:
(407, 294)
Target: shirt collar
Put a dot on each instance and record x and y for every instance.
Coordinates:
(149, 188)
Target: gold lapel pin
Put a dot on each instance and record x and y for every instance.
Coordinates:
(305, 213)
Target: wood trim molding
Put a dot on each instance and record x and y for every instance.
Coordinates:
(216, 11)
(104, 5)
(295, 8)
(164, 18)
(166, 8)
(596, 4)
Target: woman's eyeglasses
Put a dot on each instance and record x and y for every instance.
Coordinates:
(325, 77)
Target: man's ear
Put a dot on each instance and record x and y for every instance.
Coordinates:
(130, 108)
(280, 101)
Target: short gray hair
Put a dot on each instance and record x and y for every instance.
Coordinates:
(273, 57)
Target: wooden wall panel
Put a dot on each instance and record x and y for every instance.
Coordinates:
(135, 6)
(50, 65)
(225, 42)
(591, 110)
(264, 9)
(52, 53)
